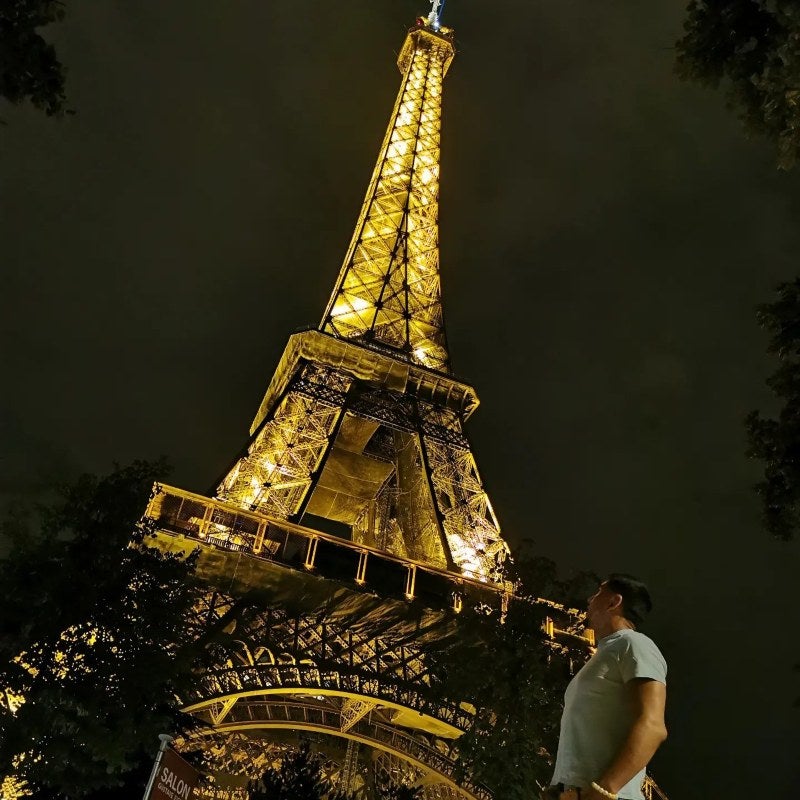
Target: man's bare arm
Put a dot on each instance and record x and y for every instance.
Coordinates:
(646, 735)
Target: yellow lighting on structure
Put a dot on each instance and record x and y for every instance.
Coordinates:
(399, 219)
(419, 352)
(12, 700)
(11, 788)
(466, 556)
(351, 305)
(382, 336)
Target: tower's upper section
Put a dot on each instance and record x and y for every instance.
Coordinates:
(388, 293)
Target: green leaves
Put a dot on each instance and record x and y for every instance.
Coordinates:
(776, 442)
(753, 48)
(94, 636)
(300, 776)
(29, 67)
(515, 681)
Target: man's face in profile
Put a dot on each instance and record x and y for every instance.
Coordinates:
(599, 604)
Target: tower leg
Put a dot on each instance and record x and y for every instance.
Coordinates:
(275, 475)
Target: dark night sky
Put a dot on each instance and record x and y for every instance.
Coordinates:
(606, 232)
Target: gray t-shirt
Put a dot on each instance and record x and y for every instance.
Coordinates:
(598, 709)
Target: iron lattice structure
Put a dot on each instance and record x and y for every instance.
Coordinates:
(349, 664)
(370, 692)
(388, 291)
(362, 425)
(356, 492)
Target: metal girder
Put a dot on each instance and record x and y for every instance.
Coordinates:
(402, 412)
(353, 710)
(282, 458)
(361, 426)
(388, 291)
(350, 766)
(220, 710)
(279, 654)
(255, 717)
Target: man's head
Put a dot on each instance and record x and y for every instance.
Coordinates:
(620, 597)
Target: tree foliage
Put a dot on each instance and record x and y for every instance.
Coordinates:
(300, 776)
(29, 67)
(93, 636)
(516, 687)
(753, 48)
(398, 791)
(776, 442)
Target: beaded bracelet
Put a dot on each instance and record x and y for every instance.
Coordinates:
(598, 788)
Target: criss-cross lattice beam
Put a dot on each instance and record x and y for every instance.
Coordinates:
(276, 474)
(255, 717)
(469, 522)
(278, 653)
(388, 290)
(353, 710)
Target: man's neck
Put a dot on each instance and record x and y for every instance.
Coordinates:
(612, 625)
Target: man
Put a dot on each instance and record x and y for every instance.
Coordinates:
(613, 720)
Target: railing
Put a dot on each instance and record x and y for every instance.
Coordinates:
(280, 678)
(227, 527)
(258, 714)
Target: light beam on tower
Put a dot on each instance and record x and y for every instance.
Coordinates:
(435, 17)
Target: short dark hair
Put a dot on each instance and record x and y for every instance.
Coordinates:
(636, 602)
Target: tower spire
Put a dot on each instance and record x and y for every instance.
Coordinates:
(434, 18)
(388, 293)
(360, 432)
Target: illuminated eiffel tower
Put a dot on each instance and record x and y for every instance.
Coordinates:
(356, 494)
(361, 428)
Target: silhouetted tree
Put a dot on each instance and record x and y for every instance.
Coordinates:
(299, 777)
(398, 791)
(752, 47)
(507, 673)
(94, 637)
(776, 442)
(29, 67)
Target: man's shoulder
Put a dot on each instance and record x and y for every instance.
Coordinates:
(637, 638)
(627, 638)
(641, 649)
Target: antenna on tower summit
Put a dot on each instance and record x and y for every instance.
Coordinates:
(435, 17)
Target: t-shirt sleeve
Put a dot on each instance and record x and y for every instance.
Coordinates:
(640, 658)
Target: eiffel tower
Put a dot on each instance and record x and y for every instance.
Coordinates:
(355, 499)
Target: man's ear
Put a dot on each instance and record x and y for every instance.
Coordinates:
(615, 602)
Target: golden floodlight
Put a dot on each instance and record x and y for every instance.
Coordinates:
(361, 429)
